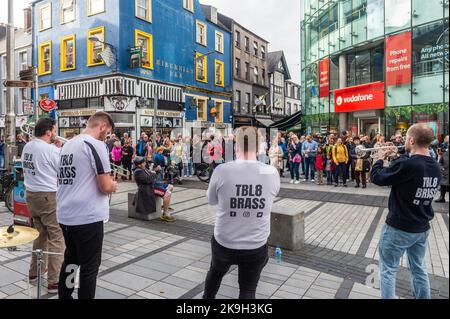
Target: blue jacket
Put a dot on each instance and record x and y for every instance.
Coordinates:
(313, 145)
(158, 159)
(283, 148)
(2, 148)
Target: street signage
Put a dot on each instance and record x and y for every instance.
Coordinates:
(358, 98)
(28, 74)
(47, 105)
(28, 108)
(18, 84)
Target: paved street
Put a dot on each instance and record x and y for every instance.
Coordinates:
(157, 260)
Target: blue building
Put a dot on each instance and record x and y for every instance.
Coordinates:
(122, 55)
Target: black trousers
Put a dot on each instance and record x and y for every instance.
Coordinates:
(361, 176)
(84, 245)
(250, 263)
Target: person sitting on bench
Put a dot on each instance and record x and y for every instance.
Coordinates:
(148, 188)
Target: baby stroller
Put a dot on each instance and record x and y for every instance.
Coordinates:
(174, 174)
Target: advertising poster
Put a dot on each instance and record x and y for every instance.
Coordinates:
(398, 59)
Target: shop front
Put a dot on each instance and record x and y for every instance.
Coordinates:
(72, 122)
(166, 121)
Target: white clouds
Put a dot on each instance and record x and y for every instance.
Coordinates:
(277, 21)
(19, 5)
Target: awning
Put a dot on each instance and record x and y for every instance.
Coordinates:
(288, 122)
(265, 122)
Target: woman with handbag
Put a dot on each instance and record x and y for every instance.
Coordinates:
(362, 165)
(295, 158)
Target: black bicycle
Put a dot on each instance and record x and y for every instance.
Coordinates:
(202, 171)
(7, 190)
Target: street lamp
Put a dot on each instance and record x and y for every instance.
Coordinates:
(111, 47)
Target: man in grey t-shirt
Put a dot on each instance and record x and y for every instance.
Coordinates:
(82, 204)
(243, 191)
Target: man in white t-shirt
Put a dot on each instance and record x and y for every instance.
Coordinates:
(243, 191)
(40, 169)
(84, 184)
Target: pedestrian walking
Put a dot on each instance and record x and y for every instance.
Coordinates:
(295, 158)
(443, 163)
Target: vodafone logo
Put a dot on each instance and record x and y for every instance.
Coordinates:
(361, 97)
(339, 100)
(354, 98)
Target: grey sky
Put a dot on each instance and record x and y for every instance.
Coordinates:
(277, 21)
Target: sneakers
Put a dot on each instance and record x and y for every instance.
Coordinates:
(52, 289)
(297, 182)
(33, 279)
(167, 218)
(312, 181)
(292, 181)
(357, 186)
(305, 180)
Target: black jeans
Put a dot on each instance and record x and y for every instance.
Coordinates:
(250, 263)
(84, 249)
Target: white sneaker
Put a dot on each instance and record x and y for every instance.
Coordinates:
(297, 182)
(312, 181)
(292, 181)
(304, 180)
(190, 175)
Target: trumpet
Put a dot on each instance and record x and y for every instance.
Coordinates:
(28, 129)
(361, 151)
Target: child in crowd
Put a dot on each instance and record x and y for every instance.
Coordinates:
(160, 163)
(329, 169)
(320, 165)
(173, 173)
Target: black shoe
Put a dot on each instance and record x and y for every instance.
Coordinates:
(440, 200)
(357, 186)
(336, 185)
(364, 186)
(345, 185)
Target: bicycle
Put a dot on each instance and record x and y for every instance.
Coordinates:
(202, 171)
(7, 189)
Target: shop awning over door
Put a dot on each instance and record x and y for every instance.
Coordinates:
(288, 122)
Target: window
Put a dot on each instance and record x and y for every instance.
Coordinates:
(238, 67)
(45, 17)
(201, 33)
(219, 112)
(95, 47)
(96, 6)
(237, 101)
(238, 39)
(255, 48)
(23, 60)
(67, 11)
(201, 110)
(144, 10)
(247, 102)
(68, 53)
(201, 67)
(219, 42)
(145, 42)
(219, 74)
(4, 67)
(247, 44)
(247, 71)
(188, 5)
(45, 58)
(256, 71)
(263, 52)
(263, 74)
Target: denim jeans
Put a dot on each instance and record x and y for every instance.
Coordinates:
(2, 161)
(250, 264)
(160, 174)
(294, 168)
(310, 163)
(329, 177)
(84, 249)
(393, 244)
(340, 171)
(187, 168)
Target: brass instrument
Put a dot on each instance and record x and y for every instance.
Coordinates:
(361, 151)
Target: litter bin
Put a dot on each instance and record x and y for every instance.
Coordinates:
(21, 214)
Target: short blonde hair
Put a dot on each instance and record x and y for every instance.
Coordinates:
(423, 134)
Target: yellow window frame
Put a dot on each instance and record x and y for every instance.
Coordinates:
(42, 46)
(204, 109)
(199, 56)
(89, 8)
(203, 25)
(90, 45)
(190, 6)
(148, 18)
(41, 8)
(63, 52)
(61, 14)
(222, 73)
(219, 108)
(149, 37)
(221, 49)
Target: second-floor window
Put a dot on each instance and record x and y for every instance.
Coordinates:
(145, 42)
(237, 98)
(95, 47)
(96, 6)
(263, 52)
(247, 102)
(68, 53)
(219, 112)
(247, 71)
(255, 48)
(219, 73)
(67, 11)
(188, 5)
(201, 33)
(219, 42)
(247, 44)
(45, 58)
(238, 67)
(238, 39)
(23, 60)
(45, 17)
(144, 10)
(201, 68)
(201, 110)
(263, 75)
(256, 71)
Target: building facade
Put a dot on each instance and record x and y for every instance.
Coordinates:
(293, 98)
(375, 66)
(278, 75)
(250, 75)
(23, 104)
(123, 56)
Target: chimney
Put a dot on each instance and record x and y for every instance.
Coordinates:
(27, 19)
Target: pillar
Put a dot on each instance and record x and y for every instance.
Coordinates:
(342, 84)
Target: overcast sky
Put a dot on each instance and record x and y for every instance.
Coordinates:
(277, 21)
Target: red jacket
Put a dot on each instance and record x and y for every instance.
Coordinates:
(320, 162)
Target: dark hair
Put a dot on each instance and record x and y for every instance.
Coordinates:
(98, 117)
(43, 126)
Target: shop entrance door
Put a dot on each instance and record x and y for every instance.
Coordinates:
(370, 127)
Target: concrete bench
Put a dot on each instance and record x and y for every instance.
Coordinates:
(133, 214)
(287, 227)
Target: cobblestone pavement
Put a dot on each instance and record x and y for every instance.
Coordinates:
(151, 260)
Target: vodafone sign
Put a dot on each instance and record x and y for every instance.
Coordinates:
(358, 98)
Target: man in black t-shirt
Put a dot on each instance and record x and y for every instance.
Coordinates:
(415, 180)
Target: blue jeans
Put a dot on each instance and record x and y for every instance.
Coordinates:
(187, 168)
(160, 174)
(2, 161)
(329, 177)
(295, 170)
(310, 163)
(393, 244)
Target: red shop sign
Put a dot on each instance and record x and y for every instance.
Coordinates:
(324, 78)
(398, 59)
(47, 105)
(358, 98)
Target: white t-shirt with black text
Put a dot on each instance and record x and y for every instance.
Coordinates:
(79, 199)
(40, 166)
(244, 192)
